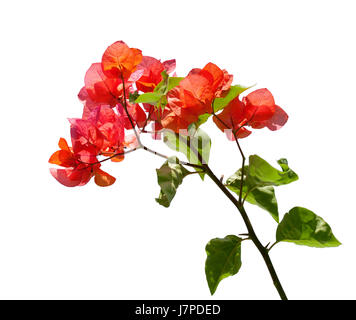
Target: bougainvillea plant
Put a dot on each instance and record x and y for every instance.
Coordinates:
(127, 92)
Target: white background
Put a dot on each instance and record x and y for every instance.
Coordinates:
(117, 242)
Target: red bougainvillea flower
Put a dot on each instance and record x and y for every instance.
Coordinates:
(201, 86)
(177, 115)
(257, 110)
(152, 72)
(232, 119)
(120, 61)
(137, 115)
(194, 96)
(261, 110)
(89, 104)
(221, 79)
(259, 107)
(102, 130)
(100, 88)
(79, 167)
(85, 134)
(110, 125)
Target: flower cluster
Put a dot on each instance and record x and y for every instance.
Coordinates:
(113, 116)
(257, 110)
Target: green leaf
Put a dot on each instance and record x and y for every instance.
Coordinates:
(195, 144)
(264, 174)
(158, 96)
(221, 103)
(259, 179)
(167, 83)
(149, 97)
(169, 177)
(203, 118)
(303, 227)
(162, 86)
(264, 197)
(234, 181)
(223, 259)
(173, 82)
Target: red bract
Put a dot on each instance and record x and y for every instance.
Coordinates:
(232, 119)
(137, 115)
(102, 130)
(152, 72)
(261, 110)
(110, 126)
(155, 114)
(257, 110)
(64, 157)
(80, 166)
(220, 79)
(194, 95)
(100, 88)
(259, 107)
(120, 61)
(89, 104)
(85, 134)
(224, 85)
(201, 86)
(196, 91)
(277, 121)
(176, 115)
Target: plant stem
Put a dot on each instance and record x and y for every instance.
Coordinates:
(252, 235)
(127, 112)
(269, 249)
(242, 169)
(197, 166)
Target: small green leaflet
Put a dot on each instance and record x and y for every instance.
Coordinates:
(303, 227)
(158, 96)
(203, 118)
(173, 82)
(223, 260)
(167, 84)
(161, 88)
(194, 143)
(169, 177)
(221, 103)
(149, 97)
